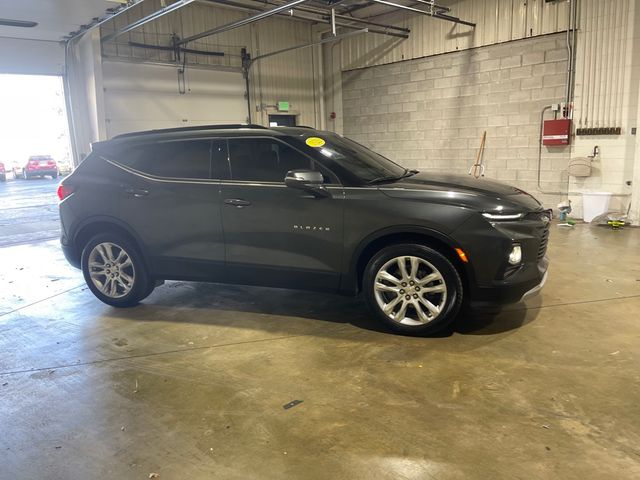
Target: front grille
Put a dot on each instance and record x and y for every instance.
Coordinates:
(544, 241)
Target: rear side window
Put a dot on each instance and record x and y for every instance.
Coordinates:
(173, 159)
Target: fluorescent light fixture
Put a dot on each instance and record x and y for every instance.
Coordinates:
(7, 22)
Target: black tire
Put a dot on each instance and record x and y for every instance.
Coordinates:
(54, 176)
(429, 261)
(3, 178)
(142, 284)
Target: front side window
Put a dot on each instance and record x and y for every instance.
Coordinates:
(173, 159)
(356, 159)
(264, 160)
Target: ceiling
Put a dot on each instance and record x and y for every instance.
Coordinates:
(56, 18)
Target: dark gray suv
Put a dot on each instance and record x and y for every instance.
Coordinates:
(297, 208)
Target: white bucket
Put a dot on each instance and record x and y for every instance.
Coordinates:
(594, 204)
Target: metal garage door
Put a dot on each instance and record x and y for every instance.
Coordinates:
(146, 96)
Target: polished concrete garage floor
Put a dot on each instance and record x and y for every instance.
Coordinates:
(192, 384)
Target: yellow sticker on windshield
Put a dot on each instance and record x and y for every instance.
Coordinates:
(315, 142)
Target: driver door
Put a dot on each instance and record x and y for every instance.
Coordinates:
(276, 235)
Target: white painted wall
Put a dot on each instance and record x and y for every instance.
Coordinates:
(141, 97)
(291, 77)
(31, 57)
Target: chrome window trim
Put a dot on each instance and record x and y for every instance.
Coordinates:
(133, 171)
(199, 181)
(153, 178)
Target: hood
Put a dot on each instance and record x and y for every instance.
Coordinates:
(479, 193)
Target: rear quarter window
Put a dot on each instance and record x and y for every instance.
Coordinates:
(189, 159)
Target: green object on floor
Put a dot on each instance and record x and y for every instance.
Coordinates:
(616, 224)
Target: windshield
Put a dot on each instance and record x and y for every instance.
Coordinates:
(365, 164)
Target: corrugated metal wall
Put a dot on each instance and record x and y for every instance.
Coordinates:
(496, 21)
(289, 77)
(602, 63)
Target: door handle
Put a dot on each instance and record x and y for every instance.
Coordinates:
(237, 202)
(137, 192)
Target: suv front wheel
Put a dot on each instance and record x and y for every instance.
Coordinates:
(412, 288)
(114, 271)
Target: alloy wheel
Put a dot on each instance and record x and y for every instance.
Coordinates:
(410, 290)
(111, 270)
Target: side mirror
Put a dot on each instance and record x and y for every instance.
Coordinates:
(308, 180)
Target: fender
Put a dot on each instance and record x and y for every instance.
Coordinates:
(117, 222)
(349, 279)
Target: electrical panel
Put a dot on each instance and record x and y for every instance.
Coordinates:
(556, 133)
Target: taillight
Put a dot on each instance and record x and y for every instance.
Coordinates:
(64, 191)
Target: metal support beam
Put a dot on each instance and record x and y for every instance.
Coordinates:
(102, 21)
(138, 23)
(438, 14)
(313, 44)
(324, 18)
(243, 22)
(319, 11)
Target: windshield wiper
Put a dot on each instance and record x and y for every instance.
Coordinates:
(393, 178)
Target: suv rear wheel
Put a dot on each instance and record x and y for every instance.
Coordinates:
(412, 288)
(114, 270)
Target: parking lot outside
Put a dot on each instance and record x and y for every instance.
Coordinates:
(28, 210)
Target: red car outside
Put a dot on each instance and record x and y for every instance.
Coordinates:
(39, 166)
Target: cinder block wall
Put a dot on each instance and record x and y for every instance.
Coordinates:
(430, 113)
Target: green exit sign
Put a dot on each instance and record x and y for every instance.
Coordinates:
(283, 106)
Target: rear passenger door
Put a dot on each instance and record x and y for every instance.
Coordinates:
(276, 235)
(170, 196)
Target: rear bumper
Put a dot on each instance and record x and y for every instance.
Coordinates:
(35, 173)
(70, 253)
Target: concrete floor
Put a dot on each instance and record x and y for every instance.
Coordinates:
(191, 385)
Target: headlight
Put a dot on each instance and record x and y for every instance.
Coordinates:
(497, 217)
(515, 257)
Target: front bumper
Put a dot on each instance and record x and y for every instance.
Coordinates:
(535, 290)
(527, 282)
(493, 281)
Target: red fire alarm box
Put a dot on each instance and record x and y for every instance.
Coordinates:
(556, 132)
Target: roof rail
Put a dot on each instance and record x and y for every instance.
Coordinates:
(190, 129)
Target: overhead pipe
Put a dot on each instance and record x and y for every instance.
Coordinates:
(153, 16)
(240, 23)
